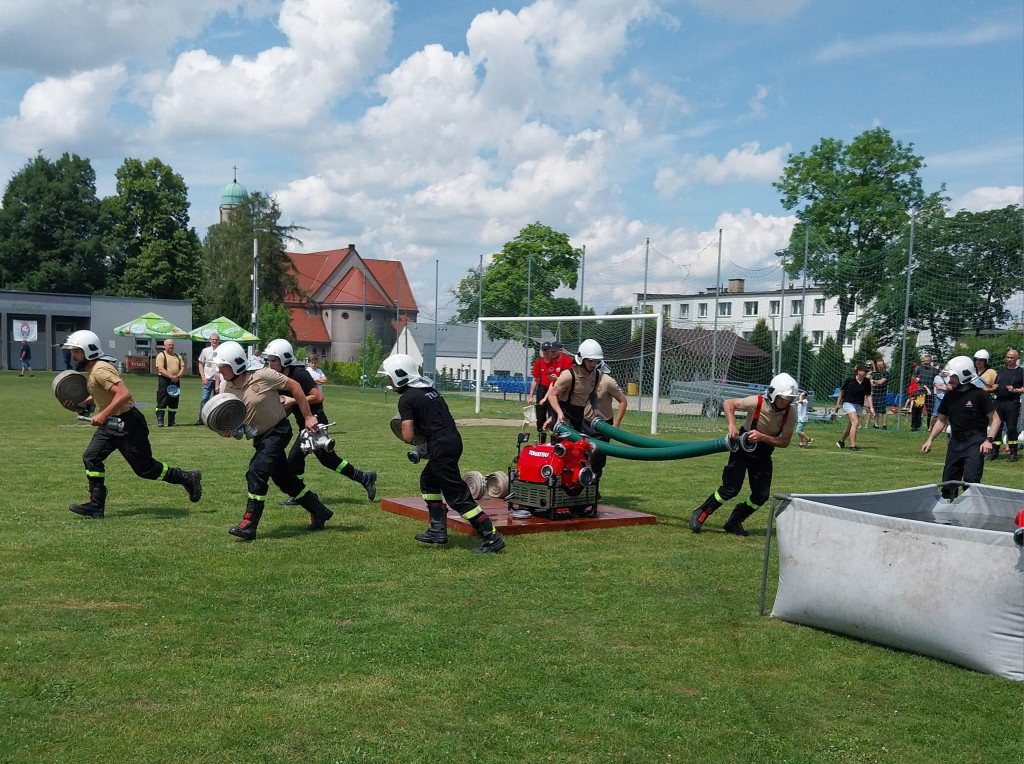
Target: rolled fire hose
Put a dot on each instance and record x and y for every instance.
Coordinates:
(642, 441)
(70, 386)
(680, 451)
(475, 482)
(396, 429)
(225, 412)
(497, 485)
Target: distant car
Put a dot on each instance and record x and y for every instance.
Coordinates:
(492, 387)
(467, 385)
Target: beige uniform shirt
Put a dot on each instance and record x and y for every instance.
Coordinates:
(584, 385)
(259, 393)
(770, 420)
(169, 362)
(101, 379)
(989, 376)
(608, 391)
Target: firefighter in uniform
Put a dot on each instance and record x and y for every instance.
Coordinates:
(968, 410)
(771, 421)
(424, 413)
(258, 388)
(574, 391)
(280, 357)
(546, 370)
(1009, 386)
(169, 369)
(113, 398)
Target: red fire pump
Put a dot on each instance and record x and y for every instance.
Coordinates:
(553, 479)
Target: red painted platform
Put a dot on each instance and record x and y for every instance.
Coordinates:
(607, 517)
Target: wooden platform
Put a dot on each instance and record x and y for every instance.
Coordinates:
(607, 517)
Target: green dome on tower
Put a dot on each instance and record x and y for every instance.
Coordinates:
(233, 193)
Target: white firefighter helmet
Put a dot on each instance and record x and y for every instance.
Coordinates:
(590, 349)
(782, 386)
(963, 368)
(281, 349)
(231, 354)
(403, 371)
(86, 341)
(981, 355)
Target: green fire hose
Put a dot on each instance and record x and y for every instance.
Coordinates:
(650, 454)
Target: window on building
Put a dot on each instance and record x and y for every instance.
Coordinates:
(817, 338)
(725, 308)
(848, 340)
(750, 309)
(684, 310)
(746, 335)
(666, 311)
(796, 308)
(819, 306)
(773, 307)
(702, 309)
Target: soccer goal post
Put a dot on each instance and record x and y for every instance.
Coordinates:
(514, 343)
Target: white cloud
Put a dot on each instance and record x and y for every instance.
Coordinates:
(333, 45)
(747, 162)
(752, 10)
(988, 198)
(756, 106)
(896, 41)
(59, 114)
(61, 36)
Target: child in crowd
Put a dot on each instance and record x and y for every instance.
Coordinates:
(801, 420)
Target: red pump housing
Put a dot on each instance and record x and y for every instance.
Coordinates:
(568, 462)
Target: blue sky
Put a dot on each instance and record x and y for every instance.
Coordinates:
(426, 134)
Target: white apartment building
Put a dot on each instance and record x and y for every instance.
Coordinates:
(739, 310)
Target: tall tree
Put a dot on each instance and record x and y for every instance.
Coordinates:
(867, 350)
(761, 368)
(534, 264)
(153, 250)
(227, 259)
(371, 355)
(49, 228)
(274, 322)
(790, 355)
(856, 198)
(830, 368)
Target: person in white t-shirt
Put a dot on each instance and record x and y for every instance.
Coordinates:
(801, 420)
(314, 370)
(208, 372)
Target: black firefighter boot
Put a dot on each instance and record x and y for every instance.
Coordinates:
(734, 524)
(97, 500)
(1013, 453)
(438, 531)
(192, 480)
(701, 513)
(246, 530)
(367, 480)
(159, 417)
(318, 513)
(171, 413)
(492, 540)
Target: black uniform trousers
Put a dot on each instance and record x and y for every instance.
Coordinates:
(543, 409)
(270, 463)
(756, 467)
(297, 459)
(133, 444)
(165, 402)
(441, 476)
(1009, 415)
(963, 461)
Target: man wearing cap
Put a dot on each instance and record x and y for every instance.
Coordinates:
(169, 367)
(208, 373)
(546, 370)
(973, 421)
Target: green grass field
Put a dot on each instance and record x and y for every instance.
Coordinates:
(152, 635)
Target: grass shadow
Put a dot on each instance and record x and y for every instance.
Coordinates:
(290, 531)
(162, 513)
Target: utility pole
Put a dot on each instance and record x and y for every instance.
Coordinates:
(714, 325)
(583, 273)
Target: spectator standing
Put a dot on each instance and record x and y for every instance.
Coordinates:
(208, 372)
(169, 368)
(66, 353)
(546, 371)
(926, 374)
(1009, 386)
(801, 420)
(879, 390)
(941, 388)
(973, 425)
(854, 397)
(316, 373)
(26, 359)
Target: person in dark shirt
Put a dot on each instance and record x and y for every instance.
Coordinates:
(973, 424)
(425, 415)
(281, 358)
(26, 359)
(1009, 386)
(854, 397)
(926, 374)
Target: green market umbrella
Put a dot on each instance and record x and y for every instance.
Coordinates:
(226, 329)
(151, 325)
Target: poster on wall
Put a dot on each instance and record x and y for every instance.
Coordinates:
(25, 330)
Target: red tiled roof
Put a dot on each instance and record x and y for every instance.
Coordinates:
(308, 328)
(313, 269)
